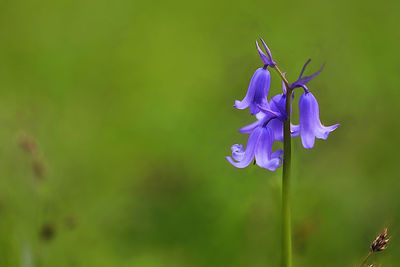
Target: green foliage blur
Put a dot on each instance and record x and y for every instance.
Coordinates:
(116, 116)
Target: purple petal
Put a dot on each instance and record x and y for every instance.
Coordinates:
(266, 59)
(268, 112)
(260, 115)
(308, 116)
(248, 156)
(306, 79)
(310, 124)
(263, 151)
(322, 132)
(262, 118)
(257, 91)
(272, 63)
(277, 127)
(308, 140)
(277, 154)
(237, 152)
(261, 92)
(254, 109)
(263, 57)
(278, 104)
(304, 67)
(295, 130)
(248, 129)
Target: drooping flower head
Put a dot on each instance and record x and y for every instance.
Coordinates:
(259, 146)
(271, 116)
(259, 85)
(274, 116)
(310, 126)
(257, 92)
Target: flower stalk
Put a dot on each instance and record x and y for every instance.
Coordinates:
(379, 244)
(274, 124)
(287, 84)
(286, 170)
(286, 218)
(365, 259)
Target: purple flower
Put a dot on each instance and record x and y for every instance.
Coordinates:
(257, 92)
(278, 105)
(310, 126)
(259, 146)
(273, 117)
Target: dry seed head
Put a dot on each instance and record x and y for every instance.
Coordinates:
(380, 242)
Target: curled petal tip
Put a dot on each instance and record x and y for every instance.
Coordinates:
(240, 104)
(332, 128)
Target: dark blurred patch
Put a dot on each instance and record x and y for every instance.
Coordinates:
(47, 232)
(38, 168)
(30, 147)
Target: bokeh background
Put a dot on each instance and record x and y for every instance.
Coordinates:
(116, 116)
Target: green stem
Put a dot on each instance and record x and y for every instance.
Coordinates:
(287, 154)
(365, 259)
(282, 76)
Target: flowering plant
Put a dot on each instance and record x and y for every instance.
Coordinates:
(274, 124)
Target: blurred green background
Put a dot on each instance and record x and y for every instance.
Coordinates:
(116, 116)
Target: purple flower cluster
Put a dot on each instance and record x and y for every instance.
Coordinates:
(272, 114)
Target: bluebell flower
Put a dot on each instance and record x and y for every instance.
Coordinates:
(259, 146)
(273, 117)
(310, 126)
(257, 92)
